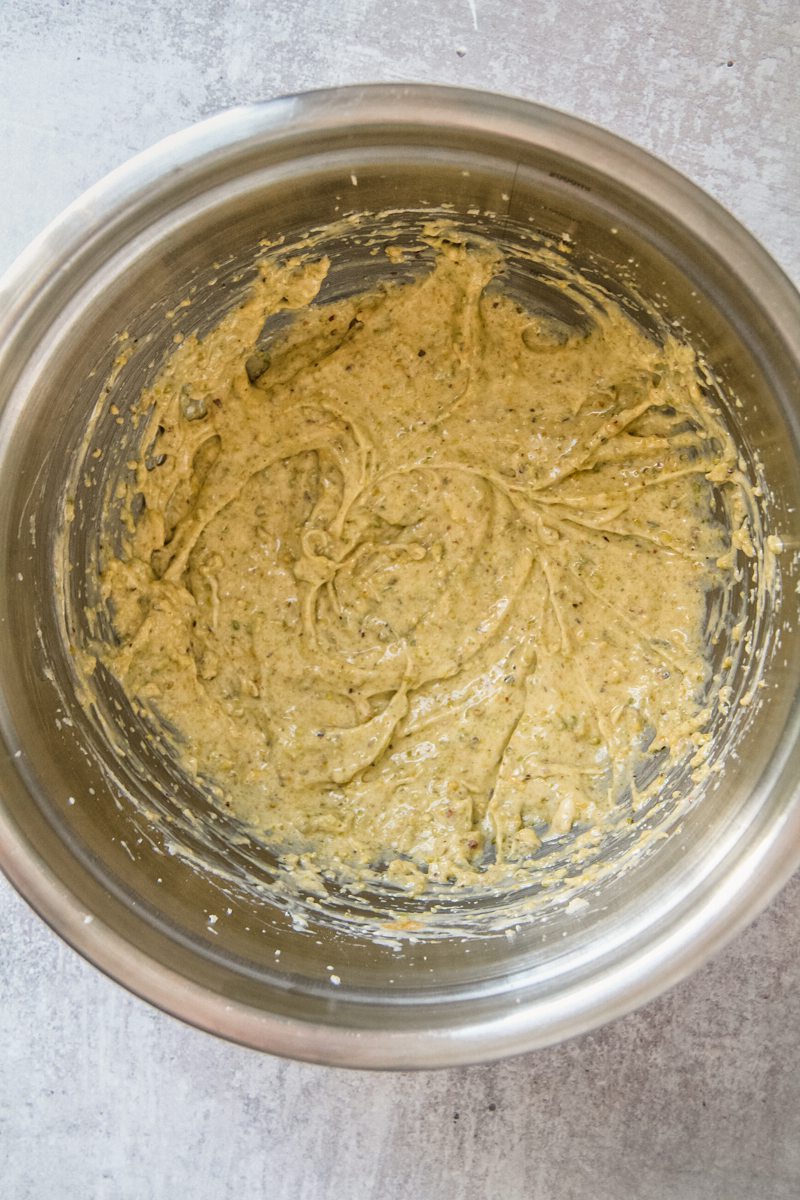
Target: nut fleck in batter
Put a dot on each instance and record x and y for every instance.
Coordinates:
(429, 580)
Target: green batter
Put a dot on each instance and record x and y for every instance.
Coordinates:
(425, 581)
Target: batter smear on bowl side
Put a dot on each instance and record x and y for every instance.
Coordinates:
(426, 579)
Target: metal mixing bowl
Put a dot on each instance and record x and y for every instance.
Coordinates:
(178, 913)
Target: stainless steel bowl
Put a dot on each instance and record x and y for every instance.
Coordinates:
(189, 922)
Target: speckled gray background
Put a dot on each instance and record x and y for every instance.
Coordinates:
(696, 1096)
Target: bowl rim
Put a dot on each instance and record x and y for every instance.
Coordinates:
(691, 938)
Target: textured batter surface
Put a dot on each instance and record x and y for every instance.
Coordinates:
(427, 581)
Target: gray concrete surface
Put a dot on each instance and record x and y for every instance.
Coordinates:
(695, 1097)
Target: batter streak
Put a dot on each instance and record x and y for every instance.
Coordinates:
(423, 581)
